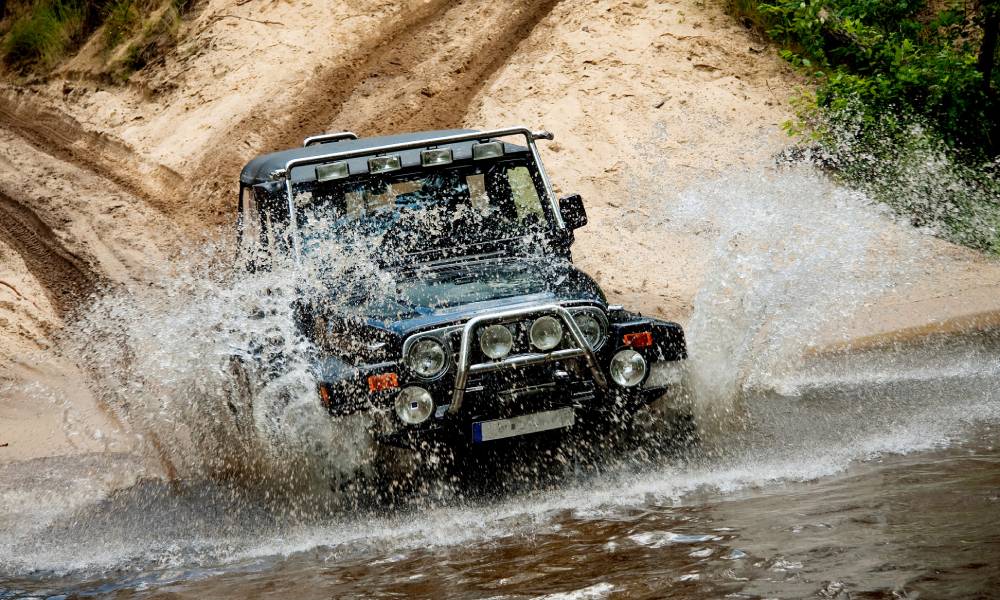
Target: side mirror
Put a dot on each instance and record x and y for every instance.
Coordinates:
(573, 212)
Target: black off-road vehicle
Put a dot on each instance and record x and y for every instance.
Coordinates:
(477, 327)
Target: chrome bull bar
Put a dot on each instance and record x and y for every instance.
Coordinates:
(464, 369)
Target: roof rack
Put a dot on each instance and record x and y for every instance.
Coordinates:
(325, 138)
(529, 135)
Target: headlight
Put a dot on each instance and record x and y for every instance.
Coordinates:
(496, 341)
(628, 368)
(546, 333)
(591, 328)
(426, 358)
(414, 405)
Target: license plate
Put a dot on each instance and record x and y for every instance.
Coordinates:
(523, 425)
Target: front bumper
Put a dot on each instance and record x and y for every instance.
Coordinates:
(574, 376)
(580, 349)
(492, 399)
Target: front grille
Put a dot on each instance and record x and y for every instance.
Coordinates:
(483, 400)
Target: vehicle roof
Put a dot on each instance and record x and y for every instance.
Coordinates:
(259, 169)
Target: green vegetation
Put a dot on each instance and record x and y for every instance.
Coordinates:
(123, 16)
(36, 34)
(157, 35)
(906, 101)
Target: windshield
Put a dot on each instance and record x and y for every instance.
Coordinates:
(424, 210)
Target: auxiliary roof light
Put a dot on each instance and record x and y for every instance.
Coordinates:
(332, 171)
(487, 150)
(436, 156)
(384, 164)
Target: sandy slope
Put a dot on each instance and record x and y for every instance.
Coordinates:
(65, 231)
(644, 97)
(100, 183)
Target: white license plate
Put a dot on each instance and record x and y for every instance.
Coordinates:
(523, 425)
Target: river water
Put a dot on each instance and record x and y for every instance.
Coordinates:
(872, 474)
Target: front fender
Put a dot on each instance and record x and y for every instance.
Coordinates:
(668, 343)
(347, 385)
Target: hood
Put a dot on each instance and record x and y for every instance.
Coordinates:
(431, 295)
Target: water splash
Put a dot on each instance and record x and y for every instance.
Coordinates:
(793, 258)
(176, 361)
(900, 159)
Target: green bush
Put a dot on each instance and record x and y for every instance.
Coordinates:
(904, 106)
(40, 35)
(892, 55)
(904, 164)
(37, 34)
(122, 17)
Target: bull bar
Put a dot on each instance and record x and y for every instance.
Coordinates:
(464, 369)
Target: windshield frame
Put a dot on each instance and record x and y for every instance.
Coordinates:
(548, 223)
(463, 140)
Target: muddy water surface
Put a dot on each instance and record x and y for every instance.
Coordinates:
(790, 507)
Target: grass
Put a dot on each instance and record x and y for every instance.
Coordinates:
(158, 34)
(122, 19)
(35, 35)
(39, 37)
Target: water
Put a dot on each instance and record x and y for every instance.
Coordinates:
(863, 475)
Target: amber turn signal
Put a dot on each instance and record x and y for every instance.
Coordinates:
(324, 395)
(642, 339)
(385, 381)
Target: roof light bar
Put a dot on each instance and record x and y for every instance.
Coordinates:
(530, 137)
(487, 150)
(384, 164)
(435, 157)
(332, 171)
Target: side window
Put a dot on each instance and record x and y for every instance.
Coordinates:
(250, 225)
(526, 200)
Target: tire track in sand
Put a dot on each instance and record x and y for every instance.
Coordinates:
(420, 72)
(62, 137)
(426, 78)
(64, 276)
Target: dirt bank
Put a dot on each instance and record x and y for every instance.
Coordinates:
(103, 183)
